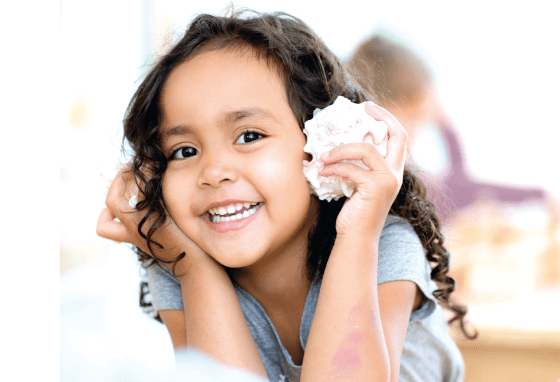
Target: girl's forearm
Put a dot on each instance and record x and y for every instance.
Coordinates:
(214, 320)
(346, 341)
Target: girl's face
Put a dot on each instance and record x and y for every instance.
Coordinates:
(234, 182)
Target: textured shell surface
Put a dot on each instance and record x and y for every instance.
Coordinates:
(340, 123)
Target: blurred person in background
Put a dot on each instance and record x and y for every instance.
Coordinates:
(401, 81)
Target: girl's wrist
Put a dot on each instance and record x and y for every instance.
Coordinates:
(188, 266)
(366, 231)
(358, 242)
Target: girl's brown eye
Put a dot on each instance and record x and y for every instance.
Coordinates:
(184, 152)
(248, 137)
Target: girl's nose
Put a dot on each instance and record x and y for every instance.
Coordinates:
(217, 170)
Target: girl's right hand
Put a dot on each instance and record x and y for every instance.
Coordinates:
(125, 230)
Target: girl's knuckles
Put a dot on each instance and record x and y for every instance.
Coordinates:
(112, 203)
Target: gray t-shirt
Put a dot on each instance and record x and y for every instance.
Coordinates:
(429, 354)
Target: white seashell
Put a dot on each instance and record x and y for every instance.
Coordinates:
(340, 123)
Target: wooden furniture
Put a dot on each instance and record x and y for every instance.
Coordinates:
(502, 355)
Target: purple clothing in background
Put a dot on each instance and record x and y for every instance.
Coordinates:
(460, 190)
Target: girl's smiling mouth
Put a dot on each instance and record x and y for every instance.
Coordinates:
(231, 217)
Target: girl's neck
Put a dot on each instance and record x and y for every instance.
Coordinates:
(281, 277)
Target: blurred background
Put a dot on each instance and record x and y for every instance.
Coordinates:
(489, 123)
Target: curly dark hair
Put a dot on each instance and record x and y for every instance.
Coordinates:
(313, 78)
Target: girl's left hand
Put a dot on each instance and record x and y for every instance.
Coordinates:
(378, 186)
(174, 241)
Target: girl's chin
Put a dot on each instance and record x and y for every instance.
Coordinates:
(235, 263)
(239, 255)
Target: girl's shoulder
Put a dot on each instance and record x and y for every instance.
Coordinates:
(395, 227)
(394, 219)
(164, 287)
(400, 245)
(401, 256)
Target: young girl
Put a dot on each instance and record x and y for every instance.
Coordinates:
(244, 263)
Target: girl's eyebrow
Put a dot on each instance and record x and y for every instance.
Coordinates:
(177, 130)
(236, 115)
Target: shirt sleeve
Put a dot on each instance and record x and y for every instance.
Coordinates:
(164, 287)
(401, 256)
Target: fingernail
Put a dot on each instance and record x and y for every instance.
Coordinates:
(132, 201)
(369, 105)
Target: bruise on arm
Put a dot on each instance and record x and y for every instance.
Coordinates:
(395, 314)
(347, 357)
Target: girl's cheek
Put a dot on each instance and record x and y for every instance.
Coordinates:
(170, 192)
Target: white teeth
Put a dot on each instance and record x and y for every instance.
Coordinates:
(228, 210)
(220, 219)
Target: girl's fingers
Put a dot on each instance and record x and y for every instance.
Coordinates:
(365, 152)
(108, 228)
(378, 173)
(121, 190)
(398, 137)
(351, 171)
